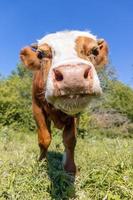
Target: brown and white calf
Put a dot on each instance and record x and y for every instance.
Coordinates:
(65, 80)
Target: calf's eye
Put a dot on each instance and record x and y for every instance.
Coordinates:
(41, 54)
(95, 51)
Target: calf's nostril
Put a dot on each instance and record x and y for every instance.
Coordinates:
(87, 72)
(58, 75)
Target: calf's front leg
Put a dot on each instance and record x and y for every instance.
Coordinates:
(69, 140)
(44, 135)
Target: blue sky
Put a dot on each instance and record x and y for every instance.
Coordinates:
(24, 21)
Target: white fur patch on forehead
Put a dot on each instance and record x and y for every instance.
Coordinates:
(63, 45)
(64, 35)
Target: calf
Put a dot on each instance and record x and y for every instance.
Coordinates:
(65, 80)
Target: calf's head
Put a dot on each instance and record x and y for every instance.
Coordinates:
(69, 61)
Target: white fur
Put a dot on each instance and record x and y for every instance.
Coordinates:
(63, 45)
(63, 50)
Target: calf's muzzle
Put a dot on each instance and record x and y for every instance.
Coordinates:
(71, 79)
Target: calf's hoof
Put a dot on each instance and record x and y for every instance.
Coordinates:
(42, 156)
(70, 169)
(43, 153)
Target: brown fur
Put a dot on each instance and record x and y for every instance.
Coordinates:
(84, 46)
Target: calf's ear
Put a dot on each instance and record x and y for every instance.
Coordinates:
(28, 56)
(102, 58)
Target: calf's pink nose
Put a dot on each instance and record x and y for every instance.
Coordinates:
(61, 73)
(72, 79)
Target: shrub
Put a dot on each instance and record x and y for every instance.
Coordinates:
(15, 101)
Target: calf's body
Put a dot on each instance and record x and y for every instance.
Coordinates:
(65, 80)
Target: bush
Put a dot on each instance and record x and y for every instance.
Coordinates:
(120, 97)
(15, 101)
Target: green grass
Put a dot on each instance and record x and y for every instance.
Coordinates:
(105, 168)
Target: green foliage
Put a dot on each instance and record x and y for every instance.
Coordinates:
(15, 100)
(116, 95)
(120, 97)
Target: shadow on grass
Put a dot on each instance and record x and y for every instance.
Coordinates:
(62, 184)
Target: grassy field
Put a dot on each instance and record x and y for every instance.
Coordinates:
(105, 168)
